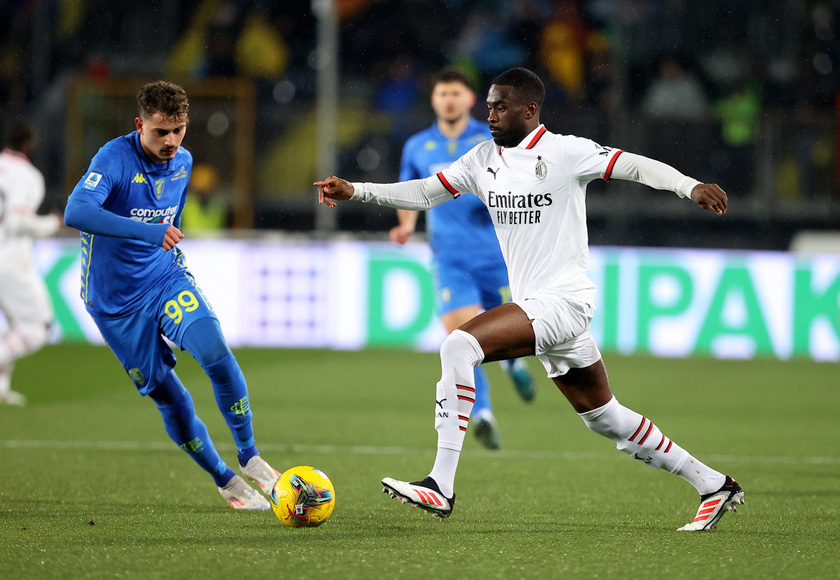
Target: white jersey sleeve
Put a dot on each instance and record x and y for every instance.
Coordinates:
(587, 160)
(655, 174)
(417, 194)
(459, 177)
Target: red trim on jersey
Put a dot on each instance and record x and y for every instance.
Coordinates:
(667, 449)
(466, 388)
(445, 183)
(608, 172)
(464, 418)
(536, 138)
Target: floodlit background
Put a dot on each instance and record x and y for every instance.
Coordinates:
(744, 94)
(739, 92)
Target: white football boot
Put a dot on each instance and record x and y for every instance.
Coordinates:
(423, 494)
(714, 505)
(261, 473)
(242, 496)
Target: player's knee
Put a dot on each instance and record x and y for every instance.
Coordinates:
(171, 393)
(205, 341)
(461, 346)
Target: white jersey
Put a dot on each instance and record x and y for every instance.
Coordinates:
(535, 193)
(21, 193)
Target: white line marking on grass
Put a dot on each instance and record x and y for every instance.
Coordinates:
(378, 450)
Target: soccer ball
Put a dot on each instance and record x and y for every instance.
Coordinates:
(303, 497)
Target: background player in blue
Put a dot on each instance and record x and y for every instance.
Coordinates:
(469, 271)
(136, 286)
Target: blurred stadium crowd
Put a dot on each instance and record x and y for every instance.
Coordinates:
(742, 93)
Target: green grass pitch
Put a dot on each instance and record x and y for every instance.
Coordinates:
(91, 487)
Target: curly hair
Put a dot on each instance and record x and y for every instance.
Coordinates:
(163, 97)
(527, 86)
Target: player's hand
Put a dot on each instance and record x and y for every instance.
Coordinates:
(709, 196)
(172, 236)
(400, 233)
(333, 188)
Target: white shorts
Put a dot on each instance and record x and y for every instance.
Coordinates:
(561, 327)
(24, 297)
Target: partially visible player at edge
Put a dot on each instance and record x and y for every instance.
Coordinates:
(469, 271)
(136, 286)
(24, 299)
(534, 184)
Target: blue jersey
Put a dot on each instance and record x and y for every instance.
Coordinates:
(119, 272)
(460, 230)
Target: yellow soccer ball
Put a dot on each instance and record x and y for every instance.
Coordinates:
(303, 497)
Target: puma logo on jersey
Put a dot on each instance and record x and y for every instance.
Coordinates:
(440, 403)
(139, 178)
(489, 170)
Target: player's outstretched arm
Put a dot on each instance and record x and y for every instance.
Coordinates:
(658, 175)
(416, 194)
(333, 189)
(709, 196)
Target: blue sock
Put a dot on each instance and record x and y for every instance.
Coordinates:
(205, 341)
(244, 455)
(232, 399)
(482, 392)
(185, 428)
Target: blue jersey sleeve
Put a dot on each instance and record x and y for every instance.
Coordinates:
(85, 213)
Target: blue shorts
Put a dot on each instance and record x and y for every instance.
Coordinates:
(137, 338)
(458, 285)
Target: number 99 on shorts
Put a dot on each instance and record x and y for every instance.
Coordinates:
(175, 309)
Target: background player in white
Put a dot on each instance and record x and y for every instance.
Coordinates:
(467, 264)
(24, 299)
(534, 184)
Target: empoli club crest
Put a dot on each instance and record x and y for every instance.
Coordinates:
(137, 376)
(159, 187)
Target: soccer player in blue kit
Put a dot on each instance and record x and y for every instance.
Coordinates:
(137, 288)
(469, 271)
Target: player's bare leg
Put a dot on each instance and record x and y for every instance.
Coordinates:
(588, 391)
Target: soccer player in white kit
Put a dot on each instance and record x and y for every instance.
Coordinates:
(533, 182)
(24, 299)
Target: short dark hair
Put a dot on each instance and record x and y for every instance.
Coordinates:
(453, 75)
(163, 97)
(19, 135)
(525, 83)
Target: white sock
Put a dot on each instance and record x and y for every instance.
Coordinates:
(638, 437)
(443, 472)
(454, 400)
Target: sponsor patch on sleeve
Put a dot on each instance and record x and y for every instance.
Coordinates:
(93, 180)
